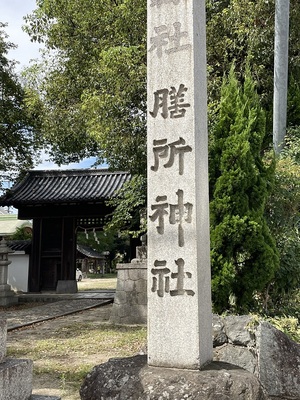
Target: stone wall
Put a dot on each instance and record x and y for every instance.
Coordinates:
(130, 304)
(260, 349)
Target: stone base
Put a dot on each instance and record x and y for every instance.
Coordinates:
(15, 379)
(68, 286)
(131, 378)
(8, 298)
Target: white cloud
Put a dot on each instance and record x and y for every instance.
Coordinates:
(12, 12)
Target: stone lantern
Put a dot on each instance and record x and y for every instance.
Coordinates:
(7, 296)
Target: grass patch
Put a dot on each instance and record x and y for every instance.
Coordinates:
(97, 284)
(69, 353)
(100, 276)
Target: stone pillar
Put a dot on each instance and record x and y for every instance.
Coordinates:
(7, 296)
(130, 304)
(179, 282)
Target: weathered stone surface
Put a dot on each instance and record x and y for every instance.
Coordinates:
(3, 334)
(15, 379)
(237, 332)
(262, 350)
(130, 305)
(279, 362)
(219, 335)
(179, 282)
(237, 355)
(131, 378)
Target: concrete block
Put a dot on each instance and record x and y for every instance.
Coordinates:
(15, 379)
(120, 297)
(7, 296)
(68, 286)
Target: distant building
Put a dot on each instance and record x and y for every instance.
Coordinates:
(60, 202)
(9, 224)
(89, 260)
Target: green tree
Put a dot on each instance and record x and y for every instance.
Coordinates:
(94, 89)
(244, 255)
(283, 214)
(19, 140)
(243, 31)
(104, 241)
(21, 233)
(91, 101)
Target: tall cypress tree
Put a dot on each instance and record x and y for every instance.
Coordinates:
(244, 254)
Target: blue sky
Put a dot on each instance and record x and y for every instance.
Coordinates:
(12, 12)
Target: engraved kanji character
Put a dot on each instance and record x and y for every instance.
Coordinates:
(161, 283)
(160, 101)
(178, 108)
(160, 40)
(163, 150)
(180, 276)
(179, 213)
(176, 39)
(159, 213)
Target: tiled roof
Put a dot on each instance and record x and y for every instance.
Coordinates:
(88, 252)
(19, 245)
(67, 186)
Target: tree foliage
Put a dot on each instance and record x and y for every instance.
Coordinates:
(283, 213)
(94, 88)
(94, 92)
(242, 31)
(18, 137)
(244, 255)
(103, 242)
(90, 99)
(129, 205)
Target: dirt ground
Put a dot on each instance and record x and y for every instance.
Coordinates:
(49, 384)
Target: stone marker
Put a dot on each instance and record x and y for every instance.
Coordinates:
(179, 289)
(7, 295)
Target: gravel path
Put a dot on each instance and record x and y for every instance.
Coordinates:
(18, 318)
